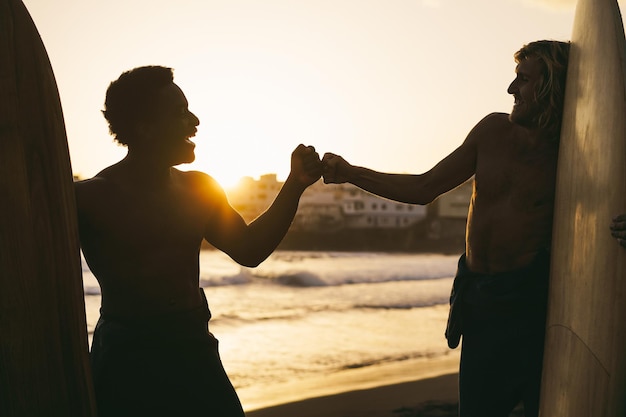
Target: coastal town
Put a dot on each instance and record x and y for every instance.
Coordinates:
(344, 217)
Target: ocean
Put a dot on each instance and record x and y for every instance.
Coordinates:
(304, 314)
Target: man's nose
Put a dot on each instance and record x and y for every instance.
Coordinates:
(194, 119)
(512, 88)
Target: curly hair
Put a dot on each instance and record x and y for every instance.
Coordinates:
(550, 90)
(131, 99)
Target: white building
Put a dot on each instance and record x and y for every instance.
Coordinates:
(363, 210)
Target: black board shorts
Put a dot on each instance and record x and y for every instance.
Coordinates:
(502, 320)
(165, 366)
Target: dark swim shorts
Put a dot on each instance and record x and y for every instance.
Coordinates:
(165, 366)
(502, 320)
(482, 296)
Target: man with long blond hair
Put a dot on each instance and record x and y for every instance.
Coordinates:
(499, 296)
(550, 88)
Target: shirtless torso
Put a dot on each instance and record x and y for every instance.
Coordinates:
(142, 241)
(510, 214)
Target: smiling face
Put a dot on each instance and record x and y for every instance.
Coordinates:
(526, 108)
(168, 135)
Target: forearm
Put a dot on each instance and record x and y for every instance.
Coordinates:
(267, 231)
(405, 188)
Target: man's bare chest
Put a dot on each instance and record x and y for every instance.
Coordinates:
(519, 183)
(145, 216)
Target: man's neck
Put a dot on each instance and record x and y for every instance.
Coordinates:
(536, 138)
(146, 171)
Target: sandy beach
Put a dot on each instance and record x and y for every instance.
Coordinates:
(387, 390)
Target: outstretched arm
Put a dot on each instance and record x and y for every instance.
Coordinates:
(407, 188)
(449, 173)
(251, 244)
(618, 229)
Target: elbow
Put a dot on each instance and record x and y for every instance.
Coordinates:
(414, 189)
(249, 259)
(249, 251)
(250, 263)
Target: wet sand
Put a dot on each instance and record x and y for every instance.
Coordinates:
(387, 390)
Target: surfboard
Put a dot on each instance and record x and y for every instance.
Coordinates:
(44, 363)
(584, 371)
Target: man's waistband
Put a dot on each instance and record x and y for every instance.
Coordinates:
(192, 320)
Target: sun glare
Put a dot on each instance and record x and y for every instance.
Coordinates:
(247, 128)
(228, 161)
(227, 174)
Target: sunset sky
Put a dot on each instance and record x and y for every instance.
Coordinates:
(394, 85)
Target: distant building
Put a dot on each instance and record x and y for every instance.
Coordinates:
(319, 210)
(455, 203)
(363, 210)
(252, 197)
(448, 213)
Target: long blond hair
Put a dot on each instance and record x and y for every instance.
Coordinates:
(550, 91)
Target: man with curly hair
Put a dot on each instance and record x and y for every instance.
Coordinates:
(499, 297)
(141, 224)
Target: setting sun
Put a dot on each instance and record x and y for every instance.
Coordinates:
(227, 163)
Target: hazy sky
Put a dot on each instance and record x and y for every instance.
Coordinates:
(394, 85)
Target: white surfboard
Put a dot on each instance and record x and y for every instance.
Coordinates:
(584, 370)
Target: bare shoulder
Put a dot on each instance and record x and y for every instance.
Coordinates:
(201, 186)
(90, 185)
(99, 185)
(197, 180)
(490, 128)
(493, 122)
(92, 188)
(497, 118)
(94, 196)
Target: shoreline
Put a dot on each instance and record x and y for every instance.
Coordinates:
(371, 391)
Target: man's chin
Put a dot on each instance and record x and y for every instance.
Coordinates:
(519, 119)
(187, 159)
